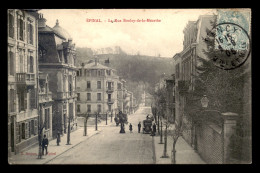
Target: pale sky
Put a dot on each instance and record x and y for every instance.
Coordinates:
(149, 38)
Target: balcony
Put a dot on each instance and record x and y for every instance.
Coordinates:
(62, 95)
(72, 94)
(110, 89)
(45, 97)
(110, 101)
(25, 78)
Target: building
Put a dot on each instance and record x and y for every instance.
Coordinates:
(120, 94)
(97, 87)
(45, 105)
(57, 58)
(185, 63)
(210, 137)
(22, 79)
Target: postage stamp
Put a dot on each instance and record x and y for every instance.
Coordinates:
(232, 41)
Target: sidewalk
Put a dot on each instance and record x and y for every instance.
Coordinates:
(185, 154)
(30, 156)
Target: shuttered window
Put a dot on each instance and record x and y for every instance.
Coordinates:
(11, 25)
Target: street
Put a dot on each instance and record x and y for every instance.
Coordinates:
(111, 147)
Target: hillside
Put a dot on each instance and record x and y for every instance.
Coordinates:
(140, 71)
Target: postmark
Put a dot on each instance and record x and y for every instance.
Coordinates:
(231, 45)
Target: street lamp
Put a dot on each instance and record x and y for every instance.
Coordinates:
(204, 101)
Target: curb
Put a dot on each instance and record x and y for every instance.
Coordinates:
(71, 147)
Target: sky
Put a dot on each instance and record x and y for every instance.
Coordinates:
(164, 37)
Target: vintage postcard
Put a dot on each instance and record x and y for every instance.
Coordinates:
(129, 86)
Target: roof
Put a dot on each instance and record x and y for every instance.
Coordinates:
(92, 65)
(60, 31)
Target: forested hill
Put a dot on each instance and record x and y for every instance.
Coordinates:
(135, 69)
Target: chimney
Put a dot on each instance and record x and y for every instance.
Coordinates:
(96, 61)
(42, 21)
(107, 63)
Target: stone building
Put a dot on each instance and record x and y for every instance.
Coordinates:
(97, 87)
(45, 105)
(22, 79)
(185, 63)
(210, 135)
(57, 58)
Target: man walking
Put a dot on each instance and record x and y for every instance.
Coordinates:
(45, 143)
(58, 138)
(139, 127)
(130, 128)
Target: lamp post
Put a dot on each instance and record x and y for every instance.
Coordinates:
(68, 134)
(85, 124)
(96, 120)
(106, 118)
(111, 115)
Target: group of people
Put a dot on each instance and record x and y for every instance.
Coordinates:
(139, 128)
(45, 143)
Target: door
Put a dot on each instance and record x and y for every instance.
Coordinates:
(12, 134)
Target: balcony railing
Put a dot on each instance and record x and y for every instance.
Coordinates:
(62, 95)
(110, 101)
(25, 78)
(45, 97)
(110, 89)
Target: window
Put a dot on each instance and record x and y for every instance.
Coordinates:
(20, 27)
(23, 130)
(88, 96)
(78, 108)
(98, 84)
(30, 31)
(11, 63)
(47, 118)
(99, 73)
(12, 100)
(78, 96)
(89, 108)
(99, 108)
(119, 86)
(21, 60)
(99, 96)
(29, 129)
(30, 62)
(32, 127)
(88, 85)
(22, 100)
(11, 24)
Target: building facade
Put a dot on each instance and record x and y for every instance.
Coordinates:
(45, 105)
(97, 87)
(57, 58)
(185, 63)
(22, 79)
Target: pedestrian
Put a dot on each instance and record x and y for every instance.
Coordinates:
(139, 127)
(58, 138)
(45, 143)
(130, 128)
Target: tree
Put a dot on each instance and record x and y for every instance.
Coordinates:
(224, 88)
(86, 115)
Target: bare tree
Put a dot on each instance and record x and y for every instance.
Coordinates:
(175, 134)
(86, 115)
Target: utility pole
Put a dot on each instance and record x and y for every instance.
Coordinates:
(106, 118)
(96, 121)
(68, 134)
